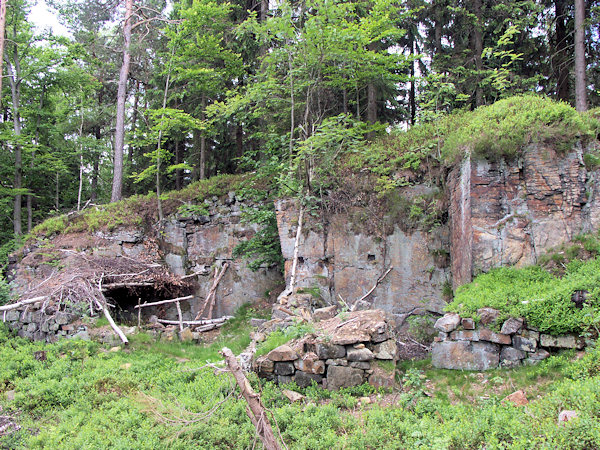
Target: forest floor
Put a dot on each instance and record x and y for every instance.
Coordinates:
(177, 395)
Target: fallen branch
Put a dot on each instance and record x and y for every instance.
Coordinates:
(180, 316)
(196, 322)
(112, 323)
(163, 302)
(296, 248)
(20, 303)
(212, 293)
(256, 412)
(110, 286)
(379, 280)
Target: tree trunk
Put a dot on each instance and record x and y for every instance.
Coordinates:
(32, 162)
(580, 83)
(2, 28)
(478, 49)
(178, 160)
(96, 167)
(372, 94)
(561, 66)
(413, 89)
(14, 77)
(79, 191)
(117, 187)
(203, 142)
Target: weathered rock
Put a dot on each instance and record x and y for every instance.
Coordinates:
(517, 398)
(304, 379)
(310, 363)
(364, 365)
(330, 351)
(12, 315)
(511, 357)
(539, 355)
(385, 350)
(186, 335)
(530, 334)
(325, 313)
(465, 335)
(337, 362)
(32, 327)
(465, 355)
(381, 378)
(63, 318)
(292, 396)
(256, 323)
(468, 323)
(283, 353)
(511, 326)
(524, 344)
(488, 316)
(284, 368)
(485, 334)
(567, 415)
(447, 323)
(339, 377)
(284, 379)
(83, 335)
(359, 354)
(564, 341)
(263, 365)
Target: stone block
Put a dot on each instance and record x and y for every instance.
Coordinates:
(26, 317)
(283, 353)
(465, 335)
(304, 379)
(310, 363)
(264, 365)
(32, 327)
(564, 341)
(524, 344)
(337, 362)
(465, 355)
(488, 315)
(468, 323)
(39, 336)
(530, 334)
(447, 323)
(13, 315)
(339, 377)
(359, 354)
(381, 378)
(186, 335)
(325, 350)
(364, 365)
(511, 326)
(63, 318)
(284, 379)
(539, 355)
(284, 368)
(328, 312)
(485, 334)
(511, 357)
(385, 350)
(256, 323)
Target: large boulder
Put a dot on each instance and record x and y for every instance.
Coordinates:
(339, 377)
(283, 353)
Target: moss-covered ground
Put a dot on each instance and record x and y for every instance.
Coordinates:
(164, 395)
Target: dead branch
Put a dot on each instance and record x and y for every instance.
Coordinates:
(256, 412)
(296, 248)
(379, 280)
(179, 315)
(110, 286)
(212, 294)
(220, 320)
(102, 306)
(162, 302)
(22, 303)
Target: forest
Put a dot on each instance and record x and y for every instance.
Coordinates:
(146, 96)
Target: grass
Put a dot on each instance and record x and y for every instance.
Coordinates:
(161, 396)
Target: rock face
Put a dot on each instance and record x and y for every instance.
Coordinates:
(508, 212)
(342, 261)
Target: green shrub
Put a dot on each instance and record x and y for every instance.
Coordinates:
(543, 299)
(5, 293)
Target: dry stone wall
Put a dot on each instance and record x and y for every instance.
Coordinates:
(342, 353)
(464, 346)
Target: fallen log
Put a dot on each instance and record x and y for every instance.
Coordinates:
(163, 302)
(256, 411)
(20, 303)
(212, 293)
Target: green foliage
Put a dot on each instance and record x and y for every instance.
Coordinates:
(279, 337)
(586, 367)
(5, 293)
(543, 299)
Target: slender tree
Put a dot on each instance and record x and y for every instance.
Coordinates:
(580, 83)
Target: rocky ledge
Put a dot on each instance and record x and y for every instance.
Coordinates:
(463, 345)
(342, 352)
